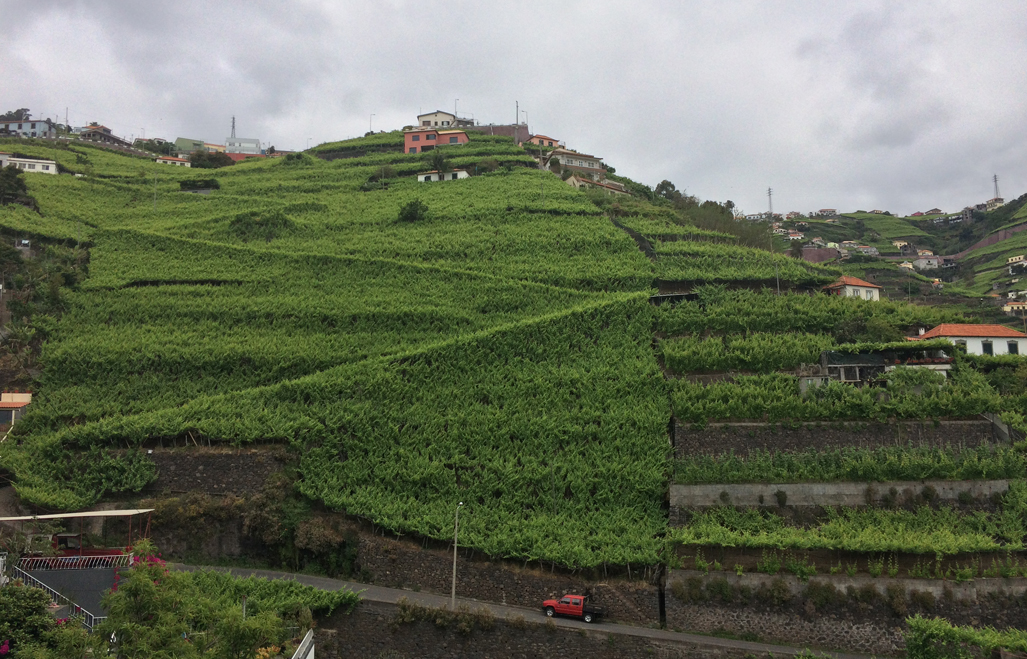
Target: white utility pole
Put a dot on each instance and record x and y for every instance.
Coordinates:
(456, 529)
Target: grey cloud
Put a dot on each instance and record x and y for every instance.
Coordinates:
(895, 106)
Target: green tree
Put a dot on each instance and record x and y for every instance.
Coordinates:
(21, 114)
(437, 161)
(12, 184)
(795, 249)
(204, 160)
(28, 629)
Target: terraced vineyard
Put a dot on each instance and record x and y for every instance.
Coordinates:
(502, 351)
(497, 352)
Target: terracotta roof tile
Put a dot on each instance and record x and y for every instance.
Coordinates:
(846, 280)
(958, 330)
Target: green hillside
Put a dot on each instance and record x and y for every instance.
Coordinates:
(500, 350)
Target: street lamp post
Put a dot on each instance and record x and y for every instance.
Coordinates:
(456, 529)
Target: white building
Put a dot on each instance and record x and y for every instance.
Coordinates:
(31, 165)
(435, 176)
(28, 128)
(981, 339)
(242, 145)
(440, 119)
(926, 263)
(854, 287)
(171, 160)
(578, 162)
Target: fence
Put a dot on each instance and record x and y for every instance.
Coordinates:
(88, 619)
(107, 561)
(3, 568)
(306, 647)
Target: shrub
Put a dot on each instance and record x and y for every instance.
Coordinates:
(415, 211)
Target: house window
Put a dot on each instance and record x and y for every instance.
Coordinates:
(32, 166)
(870, 295)
(426, 123)
(550, 143)
(1014, 348)
(453, 177)
(46, 168)
(445, 123)
(415, 138)
(413, 149)
(987, 348)
(453, 140)
(427, 179)
(429, 137)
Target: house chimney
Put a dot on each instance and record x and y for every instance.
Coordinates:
(922, 331)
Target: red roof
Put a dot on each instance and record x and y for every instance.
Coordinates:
(846, 280)
(237, 157)
(6, 405)
(958, 330)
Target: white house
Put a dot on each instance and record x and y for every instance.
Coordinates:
(12, 406)
(854, 287)
(578, 162)
(171, 160)
(31, 165)
(981, 339)
(926, 263)
(1015, 308)
(440, 119)
(434, 176)
(28, 128)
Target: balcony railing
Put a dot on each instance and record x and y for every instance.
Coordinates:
(106, 562)
(89, 621)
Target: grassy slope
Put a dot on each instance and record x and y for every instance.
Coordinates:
(497, 353)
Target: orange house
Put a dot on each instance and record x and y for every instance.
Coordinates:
(426, 139)
(544, 140)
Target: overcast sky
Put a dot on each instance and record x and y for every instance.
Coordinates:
(854, 105)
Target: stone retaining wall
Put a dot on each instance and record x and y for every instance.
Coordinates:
(214, 471)
(371, 631)
(856, 614)
(405, 564)
(828, 494)
(742, 438)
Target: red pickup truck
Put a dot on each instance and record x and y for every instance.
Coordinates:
(575, 606)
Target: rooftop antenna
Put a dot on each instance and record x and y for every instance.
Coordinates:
(233, 126)
(770, 201)
(995, 179)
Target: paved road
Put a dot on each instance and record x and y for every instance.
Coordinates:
(392, 595)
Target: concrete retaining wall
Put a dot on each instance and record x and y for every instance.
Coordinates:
(371, 631)
(405, 564)
(970, 592)
(860, 614)
(827, 494)
(741, 438)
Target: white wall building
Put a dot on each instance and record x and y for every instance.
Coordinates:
(30, 165)
(981, 339)
(434, 176)
(926, 263)
(171, 160)
(855, 287)
(242, 145)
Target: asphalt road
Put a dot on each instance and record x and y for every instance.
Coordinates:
(392, 595)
